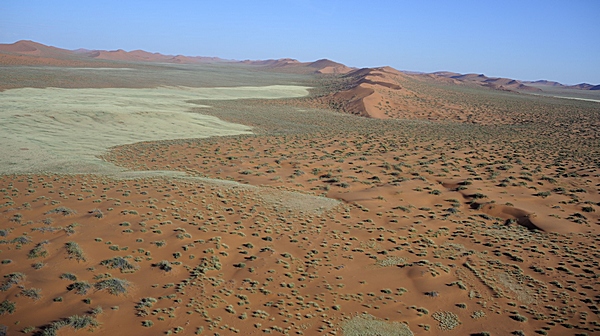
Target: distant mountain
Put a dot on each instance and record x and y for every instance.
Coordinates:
(274, 63)
(33, 53)
(326, 66)
(584, 86)
(496, 83)
(365, 80)
(323, 66)
(144, 56)
(33, 49)
(544, 83)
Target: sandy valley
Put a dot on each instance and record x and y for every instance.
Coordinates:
(176, 197)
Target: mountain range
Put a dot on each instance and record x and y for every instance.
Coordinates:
(32, 53)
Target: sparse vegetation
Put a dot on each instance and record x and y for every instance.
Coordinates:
(76, 322)
(367, 325)
(114, 286)
(445, 207)
(120, 263)
(7, 307)
(74, 251)
(80, 287)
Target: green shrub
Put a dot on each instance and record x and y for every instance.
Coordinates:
(68, 276)
(76, 322)
(74, 251)
(164, 265)
(61, 210)
(519, 318)
(32, 293)
(113, 285)
(7, 306)
(80, 287)
(120, 263)
(11, 279)
(38, 251)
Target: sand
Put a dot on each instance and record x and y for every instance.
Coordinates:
(315, 223)
(64, 130)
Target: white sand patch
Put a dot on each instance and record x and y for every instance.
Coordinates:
(577, 98)
(63, 130)
(76, 68)
(563, 97)
(279, 200)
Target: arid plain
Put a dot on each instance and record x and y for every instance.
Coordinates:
(147, 194)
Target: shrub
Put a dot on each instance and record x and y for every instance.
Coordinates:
(27, 330)
(120, 263)
(69, 276)
(21, 240)
(38, 251)
(7, 306)
(518, 318)
(164, 265)
(114, 286)
(80, 287)
(97, 213)
(76, 322)
(11, 279)
(97, 311)
(32, 293)
(74, 251)
(61, 210)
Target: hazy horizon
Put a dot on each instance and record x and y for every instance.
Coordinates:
(527, 41)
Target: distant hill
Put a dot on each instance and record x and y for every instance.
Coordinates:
(505, 84)
(545, 83)
(322, 66)
(496, 83)
(33, 53)
(585, 86)
(26, 52)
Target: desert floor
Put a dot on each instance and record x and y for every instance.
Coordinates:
(164, 206)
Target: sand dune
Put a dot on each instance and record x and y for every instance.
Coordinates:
(33, 53)
(322, 66)
(504, 84)
(384, 93)
(316, 223)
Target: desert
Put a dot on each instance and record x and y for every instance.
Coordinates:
(153, 194)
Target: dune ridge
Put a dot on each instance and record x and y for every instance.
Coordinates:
(32, 53)
(262, 214)
(322, 66)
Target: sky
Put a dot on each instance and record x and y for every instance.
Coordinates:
(525, 39)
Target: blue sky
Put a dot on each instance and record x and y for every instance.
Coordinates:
(527, 39)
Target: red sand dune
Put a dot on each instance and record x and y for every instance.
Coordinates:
(15, 54)
(322, 66)
(505, 84)
(381, 93)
